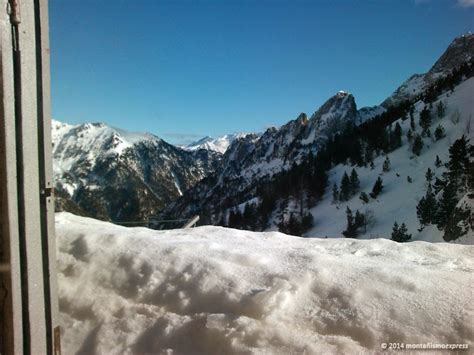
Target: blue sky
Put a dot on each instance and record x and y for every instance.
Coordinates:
(184, 69)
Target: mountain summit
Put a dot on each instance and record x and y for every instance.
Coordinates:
(258, 157)
(315, 176)
(459, 51)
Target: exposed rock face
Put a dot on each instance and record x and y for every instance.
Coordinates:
(117, 175)
(276, 149)
(255, 157)
(459, 51)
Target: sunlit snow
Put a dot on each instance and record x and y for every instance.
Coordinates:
(215, 290)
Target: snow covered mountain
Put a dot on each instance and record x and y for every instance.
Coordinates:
(263, 182)
(459, 51)
(219, 145)
(286, 171)
(400, 197)
(112, 174)
(404, 171)
(213, 290)
(256, 158)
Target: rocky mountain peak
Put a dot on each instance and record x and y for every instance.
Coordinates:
(460, 50)
(302, 118)
(342, 104)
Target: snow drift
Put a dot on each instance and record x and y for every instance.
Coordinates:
(221, 291)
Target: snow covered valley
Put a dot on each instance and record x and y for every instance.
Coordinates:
(214, 290)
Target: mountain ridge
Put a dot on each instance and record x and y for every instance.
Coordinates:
(219, 144)
(115, 175)
(460, 50)
(251, 168)
(213, 185)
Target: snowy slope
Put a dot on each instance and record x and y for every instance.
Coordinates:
(413, 86)
(399, 198)
(219, 145)
(212, 290)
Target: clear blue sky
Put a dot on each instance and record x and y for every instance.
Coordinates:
(185, 69)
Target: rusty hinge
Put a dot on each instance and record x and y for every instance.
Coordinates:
(13, 10)
(57, 341)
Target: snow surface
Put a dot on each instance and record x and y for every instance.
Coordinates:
(213, 290)
(398, 200)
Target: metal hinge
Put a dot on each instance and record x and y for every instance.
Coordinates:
(47, 192)
(13, 10)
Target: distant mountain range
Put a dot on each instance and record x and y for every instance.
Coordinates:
(219, 145)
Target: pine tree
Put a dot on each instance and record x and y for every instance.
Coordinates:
(395, 230)
(427, 208)
(409, 179)
(364, 197)
(458, 165)
(235, 219)
(248, 216)
(335, 193)
(409, 135)
(292, 226)
(355, 183)
(396, 137)
(429, 175)
(307, 222)
(438, 162)
(369, 154)
(425, 120)
(439, 133)
(417, 145)
(345, 191)
(351, 229)
(412, 119)
(372, 165)
(360, 221)
(438, 185)
(456, 117)
(441, 109)
(222, 221)
(447, 203)
(377, 189)
(400, 234)
(386, 165)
